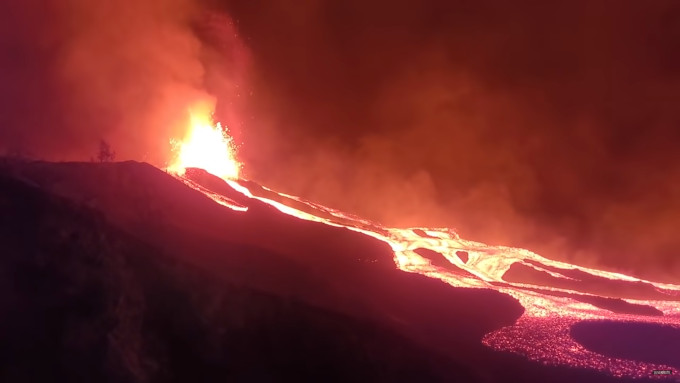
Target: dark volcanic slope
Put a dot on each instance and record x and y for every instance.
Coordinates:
(265, 249)
(119, 272)
(82, 301)
(628, 340)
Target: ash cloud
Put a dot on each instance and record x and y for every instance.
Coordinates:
(551, 126)
(77, 71)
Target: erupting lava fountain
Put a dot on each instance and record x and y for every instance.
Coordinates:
(207, 146)
(555, 295)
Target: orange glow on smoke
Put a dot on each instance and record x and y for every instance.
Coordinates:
(540, 334)
(207, 146)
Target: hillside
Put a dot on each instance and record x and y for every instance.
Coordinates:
(119, 272)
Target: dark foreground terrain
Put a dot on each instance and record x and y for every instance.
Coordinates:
(121, 273)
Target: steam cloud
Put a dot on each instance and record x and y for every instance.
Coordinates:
(550, 126)
(546, 125)
(127, 71)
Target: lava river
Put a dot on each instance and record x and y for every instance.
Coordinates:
(555, 295)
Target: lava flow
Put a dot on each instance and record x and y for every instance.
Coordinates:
(555, 295)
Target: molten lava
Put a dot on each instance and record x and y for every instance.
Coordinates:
(206, 146)
(541, 334)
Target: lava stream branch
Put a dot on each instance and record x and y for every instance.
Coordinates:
(542, 333)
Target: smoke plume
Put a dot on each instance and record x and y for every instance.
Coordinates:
(550, 126)
(127, 72)
(546, 125)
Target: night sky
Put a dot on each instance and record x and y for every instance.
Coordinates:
(548, 125)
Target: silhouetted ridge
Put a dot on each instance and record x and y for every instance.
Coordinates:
(120, 272)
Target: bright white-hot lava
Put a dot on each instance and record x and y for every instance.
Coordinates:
(541, 334)
(206, 146)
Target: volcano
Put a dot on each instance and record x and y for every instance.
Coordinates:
(124, 272)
